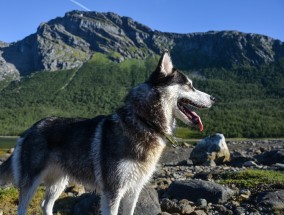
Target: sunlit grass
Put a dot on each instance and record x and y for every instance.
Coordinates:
(251, 178)
(9, 201)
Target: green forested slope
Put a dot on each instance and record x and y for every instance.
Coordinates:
(249, 103)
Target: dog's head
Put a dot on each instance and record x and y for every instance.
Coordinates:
(180, 96)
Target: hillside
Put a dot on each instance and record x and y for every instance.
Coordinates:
(67, 42)
(249, 103)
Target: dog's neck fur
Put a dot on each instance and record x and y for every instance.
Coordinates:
(146, 105)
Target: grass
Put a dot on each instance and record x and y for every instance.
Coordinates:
(9, 201)
(252, 178)
(7, 142)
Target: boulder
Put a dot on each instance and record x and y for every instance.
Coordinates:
(194, 190)
(271, 199)
(87, 204)
(211, 148)
(238, 158)
(271, 157)
(148, 204)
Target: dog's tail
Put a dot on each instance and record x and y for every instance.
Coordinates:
(6, 173)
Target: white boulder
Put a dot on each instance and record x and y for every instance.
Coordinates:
(211, 148)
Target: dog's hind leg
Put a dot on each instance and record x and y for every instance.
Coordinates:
(27, 191)
(52, 192)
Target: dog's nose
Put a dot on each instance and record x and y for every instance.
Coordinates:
(212, 98)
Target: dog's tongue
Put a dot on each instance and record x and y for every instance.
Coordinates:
(197, 120)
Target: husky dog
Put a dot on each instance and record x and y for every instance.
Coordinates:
(116, 154)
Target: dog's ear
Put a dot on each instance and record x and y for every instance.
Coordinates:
(165, 65)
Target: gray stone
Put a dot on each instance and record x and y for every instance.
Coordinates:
(211, 148)
(148, 204)
(181, 207)
(199, 189)
(250, 164)
(210, 163)
(238, 158)
(198, 212)
(201, 203)
(87, 204)
(271, 157)
(75, 190)
(271, 199)
(244, 194)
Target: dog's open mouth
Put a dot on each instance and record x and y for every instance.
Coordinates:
(185, 107)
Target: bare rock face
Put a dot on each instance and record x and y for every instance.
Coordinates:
(211, 148)
(67, 42)
(7, 70)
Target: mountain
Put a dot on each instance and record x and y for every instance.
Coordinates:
(245, 72)
(67, 42)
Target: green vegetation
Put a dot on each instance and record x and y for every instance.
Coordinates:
(7, 142)
(249, 102)
(252, 178)
(9, 201)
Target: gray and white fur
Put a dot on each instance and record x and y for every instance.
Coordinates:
(116, 154)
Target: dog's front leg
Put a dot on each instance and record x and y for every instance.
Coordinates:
(110, 203)
(129, 201)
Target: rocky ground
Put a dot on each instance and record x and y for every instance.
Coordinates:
(180, 186)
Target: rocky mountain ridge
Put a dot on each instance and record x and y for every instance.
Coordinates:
(67, 42)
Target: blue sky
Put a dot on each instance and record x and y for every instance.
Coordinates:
(20, 18)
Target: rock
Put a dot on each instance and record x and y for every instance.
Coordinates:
(148, 202)
(8, 70)
(238, 158)
(165, 213)
(271, 157)
(198, 189)
(181, 207)
(198, 212)
(201, 203)
(244, 194)
(271, 199)
(175, 156)
(250, 164)
(169, 206)
(240, 211)
(278, 166)
(10, 151)
(87, 204)
(75, 190)
(210, 163)
(211, 148)
(220, 208)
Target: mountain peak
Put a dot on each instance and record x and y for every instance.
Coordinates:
(69, 41)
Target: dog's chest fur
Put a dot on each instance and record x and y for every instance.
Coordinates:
(135, 173)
